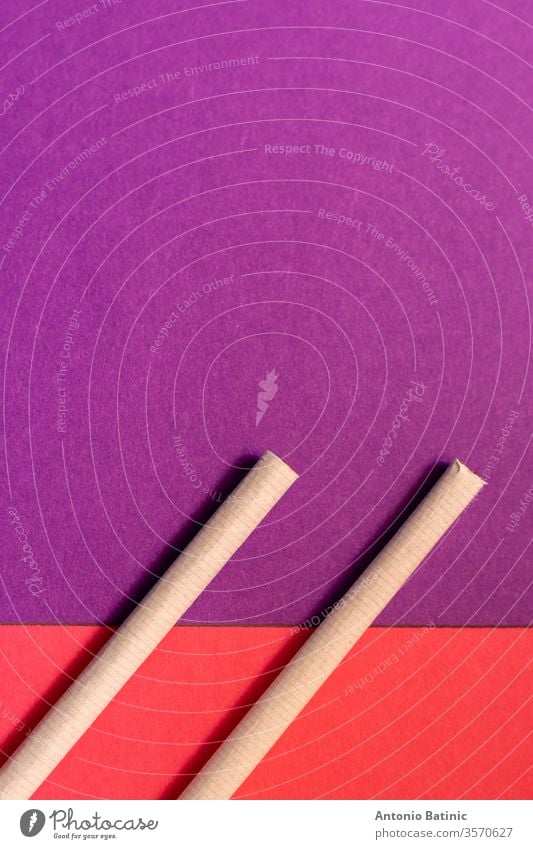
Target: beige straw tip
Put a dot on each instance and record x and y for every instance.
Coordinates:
(271, 459)
(468, 475)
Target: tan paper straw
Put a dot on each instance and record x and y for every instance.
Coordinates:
(281, 703)
(144, 629)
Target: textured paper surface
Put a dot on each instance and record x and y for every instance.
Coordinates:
(182, 194)
(353, 742)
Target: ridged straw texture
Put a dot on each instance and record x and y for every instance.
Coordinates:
(328, 645)
(170, 598)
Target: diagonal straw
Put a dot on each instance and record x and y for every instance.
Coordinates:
(281, 703)
(144, 629)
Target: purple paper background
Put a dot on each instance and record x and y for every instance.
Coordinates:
(181, 193)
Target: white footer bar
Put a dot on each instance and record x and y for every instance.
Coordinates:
(269, 825)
